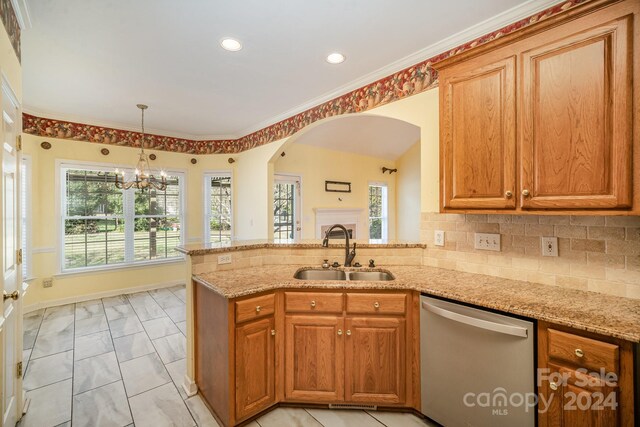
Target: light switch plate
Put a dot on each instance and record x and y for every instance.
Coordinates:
(438, 238)
(487, 242)
(224, 259)
(549, 246)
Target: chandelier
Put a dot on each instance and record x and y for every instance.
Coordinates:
(144, 178)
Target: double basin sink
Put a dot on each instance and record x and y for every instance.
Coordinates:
(371, 276)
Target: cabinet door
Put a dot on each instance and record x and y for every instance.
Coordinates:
(314, 358)
(478, 134)
(578, 400)
(255, 367)
(575, 116)
(375, 360)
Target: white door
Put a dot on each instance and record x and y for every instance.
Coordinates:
(287, 221)
(11, 272)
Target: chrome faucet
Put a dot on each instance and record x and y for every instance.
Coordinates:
(349, 254)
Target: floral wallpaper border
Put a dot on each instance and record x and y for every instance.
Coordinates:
(10, 22)
(402, 84)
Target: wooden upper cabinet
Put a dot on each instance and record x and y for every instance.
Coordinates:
(255, 367)
(314, 358)
(375, 360)
(478, 134)
(575, 116)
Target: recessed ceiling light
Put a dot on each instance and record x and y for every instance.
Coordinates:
(232, 45)
(335, 58)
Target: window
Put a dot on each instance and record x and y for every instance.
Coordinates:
(286, 207)
(377, 213)
(107, 226)
(218, 202)
(25, 215)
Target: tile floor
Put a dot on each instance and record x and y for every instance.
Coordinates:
(120, 361)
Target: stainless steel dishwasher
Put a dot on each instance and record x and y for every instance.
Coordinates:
(477, 367)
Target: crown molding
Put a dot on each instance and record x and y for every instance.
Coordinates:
(22, 14)
(487, 26)
(112, 125)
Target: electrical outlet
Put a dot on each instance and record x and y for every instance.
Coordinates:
(224, 259)
(47, 282)
(487, 242)
(438, 238)
(549, 246)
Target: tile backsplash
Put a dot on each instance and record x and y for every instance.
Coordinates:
(596, 253)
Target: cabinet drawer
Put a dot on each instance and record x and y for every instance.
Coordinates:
(584, 352)
(255, 308)
(313, 302)
(376, 303)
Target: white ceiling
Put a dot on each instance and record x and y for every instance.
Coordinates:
(367, 135)
(94, 60)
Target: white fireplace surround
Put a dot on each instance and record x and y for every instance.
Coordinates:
(327, 217)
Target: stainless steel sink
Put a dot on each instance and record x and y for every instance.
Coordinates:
(320, 275)
(372, 276)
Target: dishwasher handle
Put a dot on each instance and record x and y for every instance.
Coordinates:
(478, 323)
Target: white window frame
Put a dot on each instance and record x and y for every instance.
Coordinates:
(207, 202)
(27, 230)
(385, 212)
(128, 202)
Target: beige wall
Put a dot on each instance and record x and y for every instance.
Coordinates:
(46, 226)
(315, 165)
(408, 202)
(10, 67)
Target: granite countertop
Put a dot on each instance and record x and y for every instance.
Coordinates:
(590, 311)
(242, 245)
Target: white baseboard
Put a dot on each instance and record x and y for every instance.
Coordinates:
(189, 386)
(96, 295)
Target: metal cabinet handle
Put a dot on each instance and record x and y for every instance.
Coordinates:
(579, 352)
(258, 309)
(525, 193)
(339, 331)
(313, 303)
(553, 386)
(348, 331)
(273, 332)
(508, 194)
(13, 295)
(376, 304)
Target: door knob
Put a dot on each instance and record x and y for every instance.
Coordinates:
(508, 194)
(258, 309)
(579, 352)
(339, 331)
(376, 304)
(273, 332)
(313, 303)
(348, 331)
(525, 193)
(13, 295)
(553, 386)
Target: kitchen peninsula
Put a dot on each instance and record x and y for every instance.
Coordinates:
(260, 337)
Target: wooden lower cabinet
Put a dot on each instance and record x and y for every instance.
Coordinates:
(255, 367)
(375, 360)
(314, 349)
(584, 379)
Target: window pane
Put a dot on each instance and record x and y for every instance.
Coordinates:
(91, 242)
(375, 201)
(283, 211)
(92, 193)
(375, 228)
(220, 208)
(157, 202)
(156, 238)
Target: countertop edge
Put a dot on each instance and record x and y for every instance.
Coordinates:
(272, 245)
